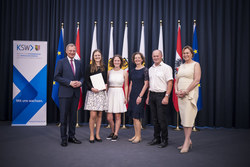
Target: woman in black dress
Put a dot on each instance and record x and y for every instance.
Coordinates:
(137, 96)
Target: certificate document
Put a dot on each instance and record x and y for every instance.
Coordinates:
(98, 81)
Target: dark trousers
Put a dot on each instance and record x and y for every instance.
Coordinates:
(159, 112)
(68, 109)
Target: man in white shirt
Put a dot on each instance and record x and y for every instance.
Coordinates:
(160, 87)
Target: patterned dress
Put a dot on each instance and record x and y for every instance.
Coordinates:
(96, 101)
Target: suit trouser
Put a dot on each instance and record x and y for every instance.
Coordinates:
(159, 112)
(68, 109)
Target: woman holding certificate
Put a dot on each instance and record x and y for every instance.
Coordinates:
(96, 97)
(117, 99)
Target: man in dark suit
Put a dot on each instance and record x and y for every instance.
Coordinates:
(69, 75)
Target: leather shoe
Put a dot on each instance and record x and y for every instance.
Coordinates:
(98, 140)
(74, 140)
(163, 144)
(154, 142)
(64, 143)
(92, 141)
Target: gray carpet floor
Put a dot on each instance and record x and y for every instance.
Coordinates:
(40, 147)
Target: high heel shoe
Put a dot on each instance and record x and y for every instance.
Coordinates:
(131, 139)
(136, 141)
(98, 140)
(180, 147)
(92, 141)
(186, 150)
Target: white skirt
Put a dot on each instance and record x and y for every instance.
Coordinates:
(116, 100)
(96, 101)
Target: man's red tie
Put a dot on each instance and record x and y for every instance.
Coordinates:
(72, 67)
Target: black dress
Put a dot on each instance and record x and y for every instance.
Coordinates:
(137, 77)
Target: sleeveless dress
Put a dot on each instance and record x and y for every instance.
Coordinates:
(187, 105)
(116, 96)
(137, 77)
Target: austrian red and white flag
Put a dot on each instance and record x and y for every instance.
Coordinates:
(78, 57)
(178, 62)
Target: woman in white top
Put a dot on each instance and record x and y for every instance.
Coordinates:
(117, 98)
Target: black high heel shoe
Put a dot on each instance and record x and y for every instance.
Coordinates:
(92, 141)
(98, 140)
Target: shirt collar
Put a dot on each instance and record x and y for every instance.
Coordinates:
(70, 58)
(158, 65)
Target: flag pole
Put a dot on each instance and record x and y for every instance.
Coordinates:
(194, 129)
(141, 120)
(77, 112)
(177, 123)
(124, 116)
(59, 124)
(177, 112)
(108, 126)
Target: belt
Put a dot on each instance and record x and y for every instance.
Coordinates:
(115, 86)
(157, 92)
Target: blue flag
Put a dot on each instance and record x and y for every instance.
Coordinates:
(197, 59)
(60, 55)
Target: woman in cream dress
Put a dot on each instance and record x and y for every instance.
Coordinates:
(186, 88)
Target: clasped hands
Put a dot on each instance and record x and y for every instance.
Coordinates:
(75, 84)
(181, 93)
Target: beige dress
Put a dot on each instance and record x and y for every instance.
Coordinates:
(187, 104)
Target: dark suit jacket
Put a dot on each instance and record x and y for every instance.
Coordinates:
(64, 74)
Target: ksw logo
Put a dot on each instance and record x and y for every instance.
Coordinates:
(25, 47)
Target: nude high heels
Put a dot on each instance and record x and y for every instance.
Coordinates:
(180, 147)
(136, 141)
(131, 139)
(186, 150)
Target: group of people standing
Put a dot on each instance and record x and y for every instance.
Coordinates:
(152, 86)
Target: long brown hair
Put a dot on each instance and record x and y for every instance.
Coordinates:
(93, 66)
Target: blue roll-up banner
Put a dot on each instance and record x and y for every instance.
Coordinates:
(29, 83)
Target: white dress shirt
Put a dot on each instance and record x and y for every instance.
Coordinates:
(73, 62)
(159, 76)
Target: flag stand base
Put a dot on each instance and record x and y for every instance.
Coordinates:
(195, 129)
(77, 125)
(124, 127)
(177, 128)
(108, 126)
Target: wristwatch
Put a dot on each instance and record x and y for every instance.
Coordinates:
(166, 95)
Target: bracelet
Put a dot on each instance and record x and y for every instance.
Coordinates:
(139, 96)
